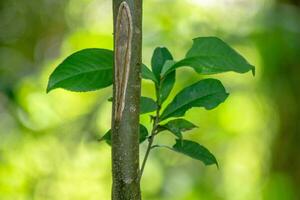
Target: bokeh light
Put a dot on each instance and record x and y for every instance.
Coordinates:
(48, 142)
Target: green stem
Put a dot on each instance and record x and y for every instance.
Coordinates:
(151, 140)
(153, 132)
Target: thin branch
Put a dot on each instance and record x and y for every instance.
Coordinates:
(151, 139)
(153, 133)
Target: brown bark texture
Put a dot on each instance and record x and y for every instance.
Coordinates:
(127, 16)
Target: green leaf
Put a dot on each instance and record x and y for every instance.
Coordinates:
(107, 137)
(166, 86)
(147, 74)
(143, 135)
(159, 57)
(177, 126)
(110, 99)
(147, 105)
(210, 55)
(85, 70)
(196, 151)
(207, 93)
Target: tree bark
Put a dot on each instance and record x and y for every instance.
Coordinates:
(127, 88)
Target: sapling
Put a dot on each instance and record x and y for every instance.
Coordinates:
(96, 68)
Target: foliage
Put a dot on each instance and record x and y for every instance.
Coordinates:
(85, 70)
(143, 135)
(91, 69)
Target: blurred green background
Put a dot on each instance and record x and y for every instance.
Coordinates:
(48, 142)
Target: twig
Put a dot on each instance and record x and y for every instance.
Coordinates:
(153, 133)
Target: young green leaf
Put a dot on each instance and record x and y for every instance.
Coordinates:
(85, 70)
(143, 135)
(160, 56)
(195, 150)
(207, 93)
(147, 105)
(210, 55)
(177, 126)
(166, 86)
(148, 74)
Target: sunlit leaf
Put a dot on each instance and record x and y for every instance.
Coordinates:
(85, 70)
(159, 57)
(211, 55)
(177, 126)
(143, 135)
(207, 93)
(195, 150)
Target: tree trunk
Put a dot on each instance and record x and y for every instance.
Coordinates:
(127, 88)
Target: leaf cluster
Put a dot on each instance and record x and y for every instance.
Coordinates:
(92, 69)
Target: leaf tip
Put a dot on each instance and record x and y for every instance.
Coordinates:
(216, 163)
(253, 70)
(48, 89)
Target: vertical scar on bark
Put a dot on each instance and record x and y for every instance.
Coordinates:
(122, 56)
